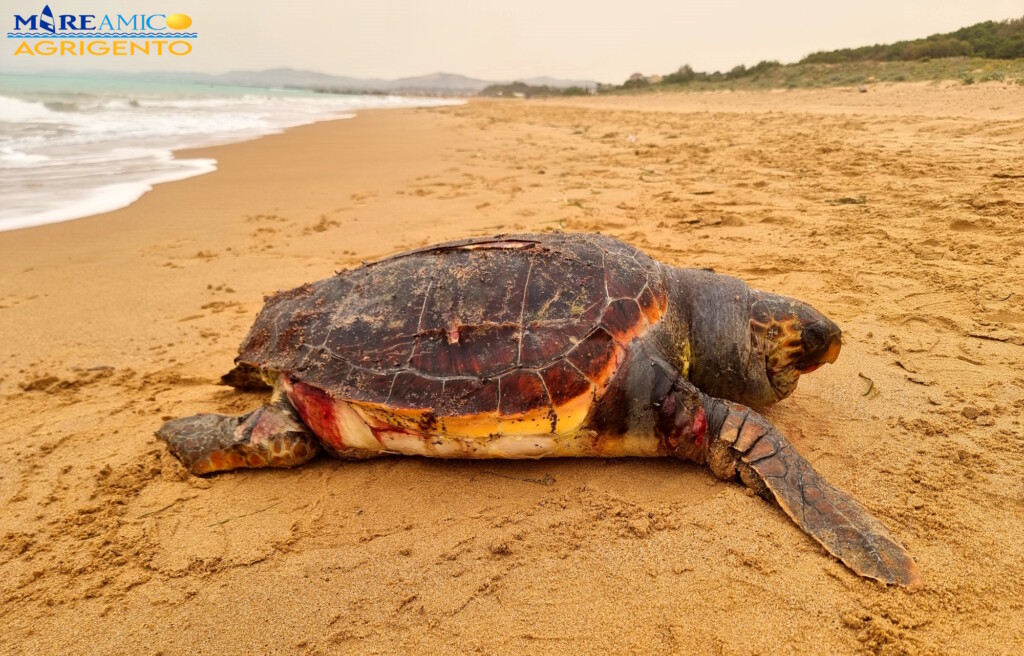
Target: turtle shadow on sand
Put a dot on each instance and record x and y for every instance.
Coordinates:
(533, 346)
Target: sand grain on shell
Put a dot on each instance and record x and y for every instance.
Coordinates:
(114, 323)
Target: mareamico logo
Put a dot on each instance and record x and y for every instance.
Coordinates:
(48, 34)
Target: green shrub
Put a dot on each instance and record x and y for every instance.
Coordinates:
(990, 40)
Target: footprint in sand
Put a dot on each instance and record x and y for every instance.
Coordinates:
(960, 225)
(164, 247)
(216, 307)
(66, 385)
(260, 218)
(8, 302)
(322, 225)
(360, 197)
(201, 255)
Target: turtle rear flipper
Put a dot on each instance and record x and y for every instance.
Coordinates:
(768, 463)
(271, 436)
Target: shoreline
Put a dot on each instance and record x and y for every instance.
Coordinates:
(880, 97)
(99, 201)
(902, 226)
(151, 162)
(131, 192)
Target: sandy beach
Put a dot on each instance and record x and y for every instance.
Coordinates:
(897, 212)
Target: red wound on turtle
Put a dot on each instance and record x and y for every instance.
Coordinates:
(700, 427)
(317, 409)
(681, 422)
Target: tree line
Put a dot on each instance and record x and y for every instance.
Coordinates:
(989, 40)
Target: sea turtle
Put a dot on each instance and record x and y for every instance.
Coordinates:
(527, 346)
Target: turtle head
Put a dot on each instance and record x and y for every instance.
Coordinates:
(742, 344)
(793, 338)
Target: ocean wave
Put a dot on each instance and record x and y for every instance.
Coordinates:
(16, 158)
(104, 197)
(72, 153)
(62, 106)
(13, 110)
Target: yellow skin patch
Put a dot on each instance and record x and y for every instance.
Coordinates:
(782, 347)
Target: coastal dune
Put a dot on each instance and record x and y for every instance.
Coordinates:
(898, 213)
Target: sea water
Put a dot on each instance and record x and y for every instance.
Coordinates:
(75, 146)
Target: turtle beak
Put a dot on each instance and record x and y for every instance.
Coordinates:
(822, 341)
(832, 354)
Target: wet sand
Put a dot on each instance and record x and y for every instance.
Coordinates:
(898, 212)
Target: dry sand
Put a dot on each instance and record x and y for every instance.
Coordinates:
(897, 212)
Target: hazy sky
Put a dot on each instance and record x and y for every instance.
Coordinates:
(593, 39)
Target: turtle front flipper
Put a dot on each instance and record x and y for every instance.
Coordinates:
(271, 436)
(769, 465)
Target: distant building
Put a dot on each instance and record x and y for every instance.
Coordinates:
(654, 79)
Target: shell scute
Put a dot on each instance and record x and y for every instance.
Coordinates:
(597, 357)
(565, 383)
(469, 396)
(474, 287)
(624, 279)
(623, 319)
(357, 341)
(411, 390)
(562, 290)
(478, 350)
(521, 392)
(650, 306)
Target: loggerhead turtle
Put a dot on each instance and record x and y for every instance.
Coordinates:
(529, 346)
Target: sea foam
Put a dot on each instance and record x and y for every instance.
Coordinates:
(68, 151)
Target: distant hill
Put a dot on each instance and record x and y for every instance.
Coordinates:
(432, 84)
(281, 77)
(988, 40)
